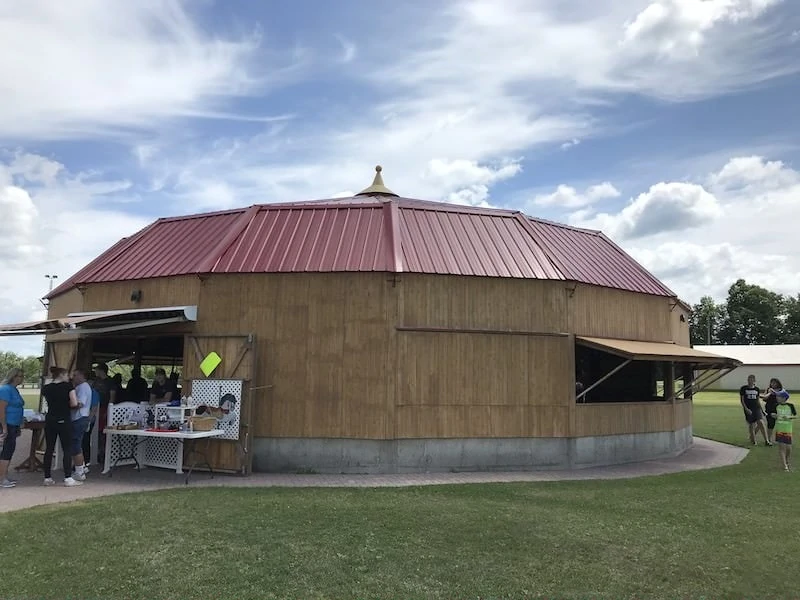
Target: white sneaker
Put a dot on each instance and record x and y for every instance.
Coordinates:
(78, 476)
(71, 482)
(49, 481)
(86, 469)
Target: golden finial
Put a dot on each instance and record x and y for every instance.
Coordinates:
(377, 188)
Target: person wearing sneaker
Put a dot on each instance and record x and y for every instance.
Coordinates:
(11, 411)
(80, 421)
(61, 399)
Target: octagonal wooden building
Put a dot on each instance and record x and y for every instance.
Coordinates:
(379, 334)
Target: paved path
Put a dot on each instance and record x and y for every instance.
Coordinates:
(705, 454)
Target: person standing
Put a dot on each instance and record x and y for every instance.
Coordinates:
(784, 414)
(86, 444)
(749, 397)
(164, 390)
(770, 404)
(105, 387)
(11, 411)
(61, 399)
(80, 422)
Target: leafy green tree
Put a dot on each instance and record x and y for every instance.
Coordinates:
(33, 369)
(791, 323)
(754, 315)
(706, 322)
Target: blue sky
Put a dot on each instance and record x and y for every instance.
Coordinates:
(669, 124)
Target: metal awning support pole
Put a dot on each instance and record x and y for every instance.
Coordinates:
(602, 379)
(719, 376)
(696, 381)
(687, 386)
(721, 372)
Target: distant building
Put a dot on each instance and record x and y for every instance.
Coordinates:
(765, 362)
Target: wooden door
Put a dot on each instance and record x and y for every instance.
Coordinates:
(238, 355)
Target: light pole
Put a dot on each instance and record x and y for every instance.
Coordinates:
(44, 342)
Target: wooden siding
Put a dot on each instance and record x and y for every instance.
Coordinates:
(324, 362)
(63, 304)
(483, 303)
(347, 355)
(603, 312)
(683, 414)
(621, 418)
(680, 330)
(167, 291)
(238, 362)
(482, 385)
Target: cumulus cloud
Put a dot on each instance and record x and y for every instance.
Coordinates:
(678, 28)
(742, 229)
(752, 173)
(566, 196)
(467, 181)
(433, 101)
(54, 222)
(664, 207)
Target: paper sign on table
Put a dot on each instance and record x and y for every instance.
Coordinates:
(210, 363)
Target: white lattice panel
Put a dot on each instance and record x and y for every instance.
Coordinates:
(162, 453)
(208, 392)
(121, 445)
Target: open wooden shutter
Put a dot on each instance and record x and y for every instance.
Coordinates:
(237, 352)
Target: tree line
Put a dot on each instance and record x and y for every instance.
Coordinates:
(32, 365)
(750, 315)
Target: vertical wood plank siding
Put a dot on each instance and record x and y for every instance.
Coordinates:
(331, 361)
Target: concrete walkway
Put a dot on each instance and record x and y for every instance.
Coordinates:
(705, 454)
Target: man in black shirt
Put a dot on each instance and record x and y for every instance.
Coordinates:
(753, 414)
(163, 390)
(137, 387)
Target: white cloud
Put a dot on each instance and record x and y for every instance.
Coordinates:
(700, 242)
(436, 100)
(672, 49)
(664, 207)
(698, 269)
(92, 66)
(569, 144)
(566, 196)
(466, 181)
(54, 222)
(747, 173)
(678, 28)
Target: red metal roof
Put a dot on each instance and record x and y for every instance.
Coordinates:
(590, 257)
(369, 233)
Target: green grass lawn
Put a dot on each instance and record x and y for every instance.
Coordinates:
(31, 398)
(690, 535)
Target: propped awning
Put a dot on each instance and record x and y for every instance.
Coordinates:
(656, 351)
(107, 321)
(31, 327)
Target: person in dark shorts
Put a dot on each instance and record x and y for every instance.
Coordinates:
(750, 397)
(770, 404)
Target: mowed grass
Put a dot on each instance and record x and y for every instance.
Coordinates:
(31, 398)
(707, 534)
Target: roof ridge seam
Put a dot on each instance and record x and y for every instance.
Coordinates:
(217, 252)
(522, 218)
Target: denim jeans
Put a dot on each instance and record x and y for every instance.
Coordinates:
(78, 429)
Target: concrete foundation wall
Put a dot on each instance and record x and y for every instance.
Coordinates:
(419, 456)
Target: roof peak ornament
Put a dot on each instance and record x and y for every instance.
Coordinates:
(377, 188)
